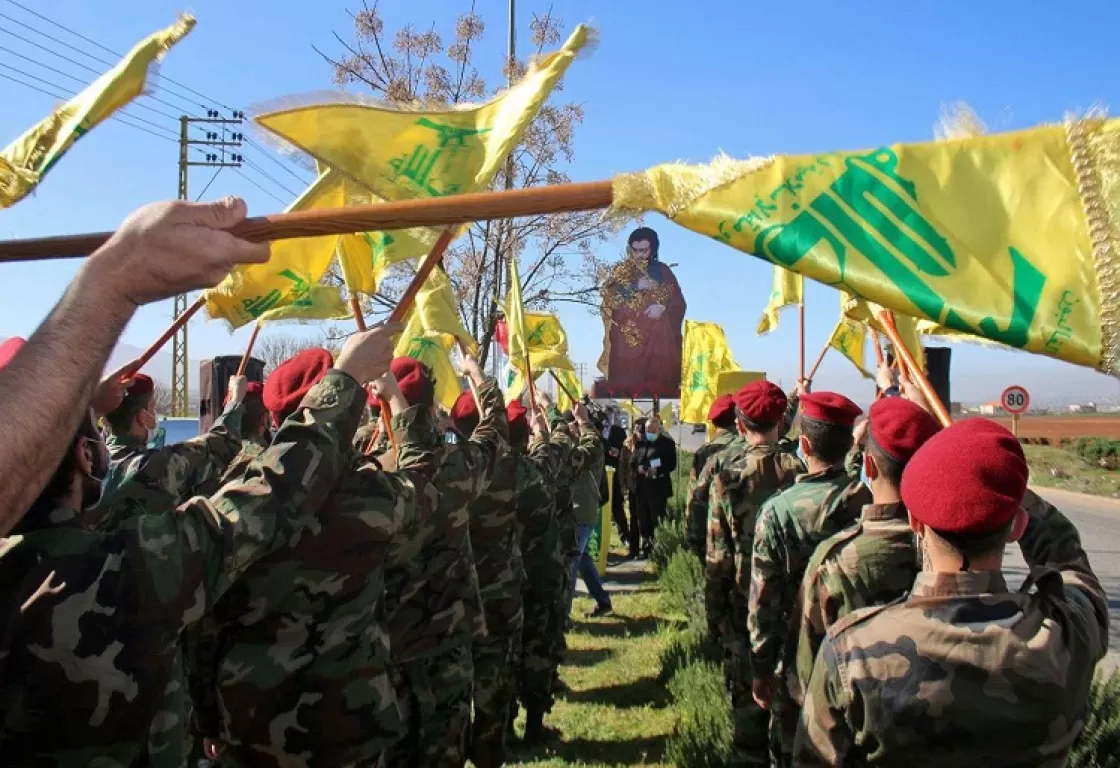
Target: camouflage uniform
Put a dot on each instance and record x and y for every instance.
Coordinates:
(699, 480)
(964, 671)
(743, 482)
(789, 528)
(872, 563)
(434, 606)
(152, 480)
(301, 661)
(83, 666)
(545, 579)
(496, 541)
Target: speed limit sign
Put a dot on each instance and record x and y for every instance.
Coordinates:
(1015, 400)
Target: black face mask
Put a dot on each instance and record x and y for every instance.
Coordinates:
(91, 483)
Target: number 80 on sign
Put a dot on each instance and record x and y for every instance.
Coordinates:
(1015, 400)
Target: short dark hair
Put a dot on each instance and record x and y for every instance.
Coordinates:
(761, 427)
(831, 442)
(890, 467)
(122, 417)
(59, 484)
(973, 545)
(725, 421)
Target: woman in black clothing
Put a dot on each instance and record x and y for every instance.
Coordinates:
(654, 460)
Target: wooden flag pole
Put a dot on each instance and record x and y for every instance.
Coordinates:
(916, 374)
(801, 336)
(470, 381)
(878, 349)
(820, 358)
(408, 298)
(165, 337)
(401, 214)
(561, 385)
(889, 323)
(248, 350)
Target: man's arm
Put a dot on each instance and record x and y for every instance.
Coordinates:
(1052, 541)
(160, 251)
(824, 734)
(765, 621)
(697, 515)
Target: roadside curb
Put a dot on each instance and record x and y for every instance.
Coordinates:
(1103, 502)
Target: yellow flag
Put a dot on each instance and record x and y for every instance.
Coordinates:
(631, 409)
(704, 357)
(25, 161)
(788, 290)
(518, 345)
(571, 383)
(849, 337)
(437, 313)
(1009, 236)
(538, 335)
(321, 302)
(296, 265)
(666, 416)
(410, 152)
(434, 350)
(868, 313)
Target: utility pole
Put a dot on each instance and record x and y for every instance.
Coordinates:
(180, 363)
(499, 261)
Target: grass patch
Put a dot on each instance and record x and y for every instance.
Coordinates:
(1065, 470)
(618, 712)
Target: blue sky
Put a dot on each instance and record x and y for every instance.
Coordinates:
(742, 77)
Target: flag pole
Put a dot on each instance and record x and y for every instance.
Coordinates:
(165, 337)
(470, 381)
(444, 211)
(878, 348)
(561, 385)
(888, 321)
(249, 349)
(801, 335)
(916, 374)
(820, 358)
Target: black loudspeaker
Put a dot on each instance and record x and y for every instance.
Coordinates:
(213, 378)
(937, 369)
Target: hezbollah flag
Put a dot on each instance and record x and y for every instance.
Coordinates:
(432, 329)
(788, 290)
(410, 152)
(321, 302)
(849, 337)
(296, 265)
(569, 386)
(704, 357)
(870, 314)
(1011, 237)
(25, 161)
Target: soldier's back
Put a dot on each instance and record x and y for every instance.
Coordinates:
(753, 475)
(495, 542)
(304, 655)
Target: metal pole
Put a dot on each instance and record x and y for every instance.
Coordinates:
(180, 393)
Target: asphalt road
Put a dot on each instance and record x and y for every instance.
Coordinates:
(1098, 521)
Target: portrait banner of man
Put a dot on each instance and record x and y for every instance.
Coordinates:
(643, 314)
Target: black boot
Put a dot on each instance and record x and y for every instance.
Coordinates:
(536, 732)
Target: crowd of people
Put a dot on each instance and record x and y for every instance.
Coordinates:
(314, 582)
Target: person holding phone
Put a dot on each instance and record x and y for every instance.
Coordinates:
(654, 461)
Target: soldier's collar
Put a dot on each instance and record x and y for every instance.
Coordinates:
(930, 584)
(828, 474)
(883, 512)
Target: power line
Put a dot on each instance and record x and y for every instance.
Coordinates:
(249, 179)
(203, 192)
(272, 157)
(264, 173)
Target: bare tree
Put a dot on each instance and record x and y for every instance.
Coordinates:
(161, 398)
(557, 260)
(275, 348)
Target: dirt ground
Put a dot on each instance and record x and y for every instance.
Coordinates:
(1055, 429)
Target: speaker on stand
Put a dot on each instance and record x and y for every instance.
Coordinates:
(214, 383)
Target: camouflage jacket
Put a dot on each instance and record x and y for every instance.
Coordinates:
(92, 625)
(566, 459)
(744, 480)
(964, 671)
(496, 542)
(371, 440)
(300, 662)
(536, 512)
(700, 477)
(789, 528)
(157, 479)
(251, 448)
(434, 604)
(872, 563)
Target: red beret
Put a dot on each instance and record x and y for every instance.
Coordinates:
(292, 379)
(518, 421)
(722, 407)
(761, 402)
(254, 390)
(9, 349)
(465, 409)
(141, 385)
(415, 382)
(969, 478)
(899, 427)
(830, 407)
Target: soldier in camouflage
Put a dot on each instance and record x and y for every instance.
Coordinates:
(742, 483)
(964, 671)
(92, 653)
(256, 435)
(721, 414)
(496, 541)
(788, 529)
(875, 561)
(301, 662)
(545, 575)
(142, 479)
(434, 607)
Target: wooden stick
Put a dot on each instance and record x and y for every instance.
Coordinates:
(878, 348)
(560, 384)
(408, 298)
(248, 350)
(888, 321)
(165, 337)
(356, 308)
(916, 373)
(817, 364)
(801, 336)
(402, 214)
(470, 381)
